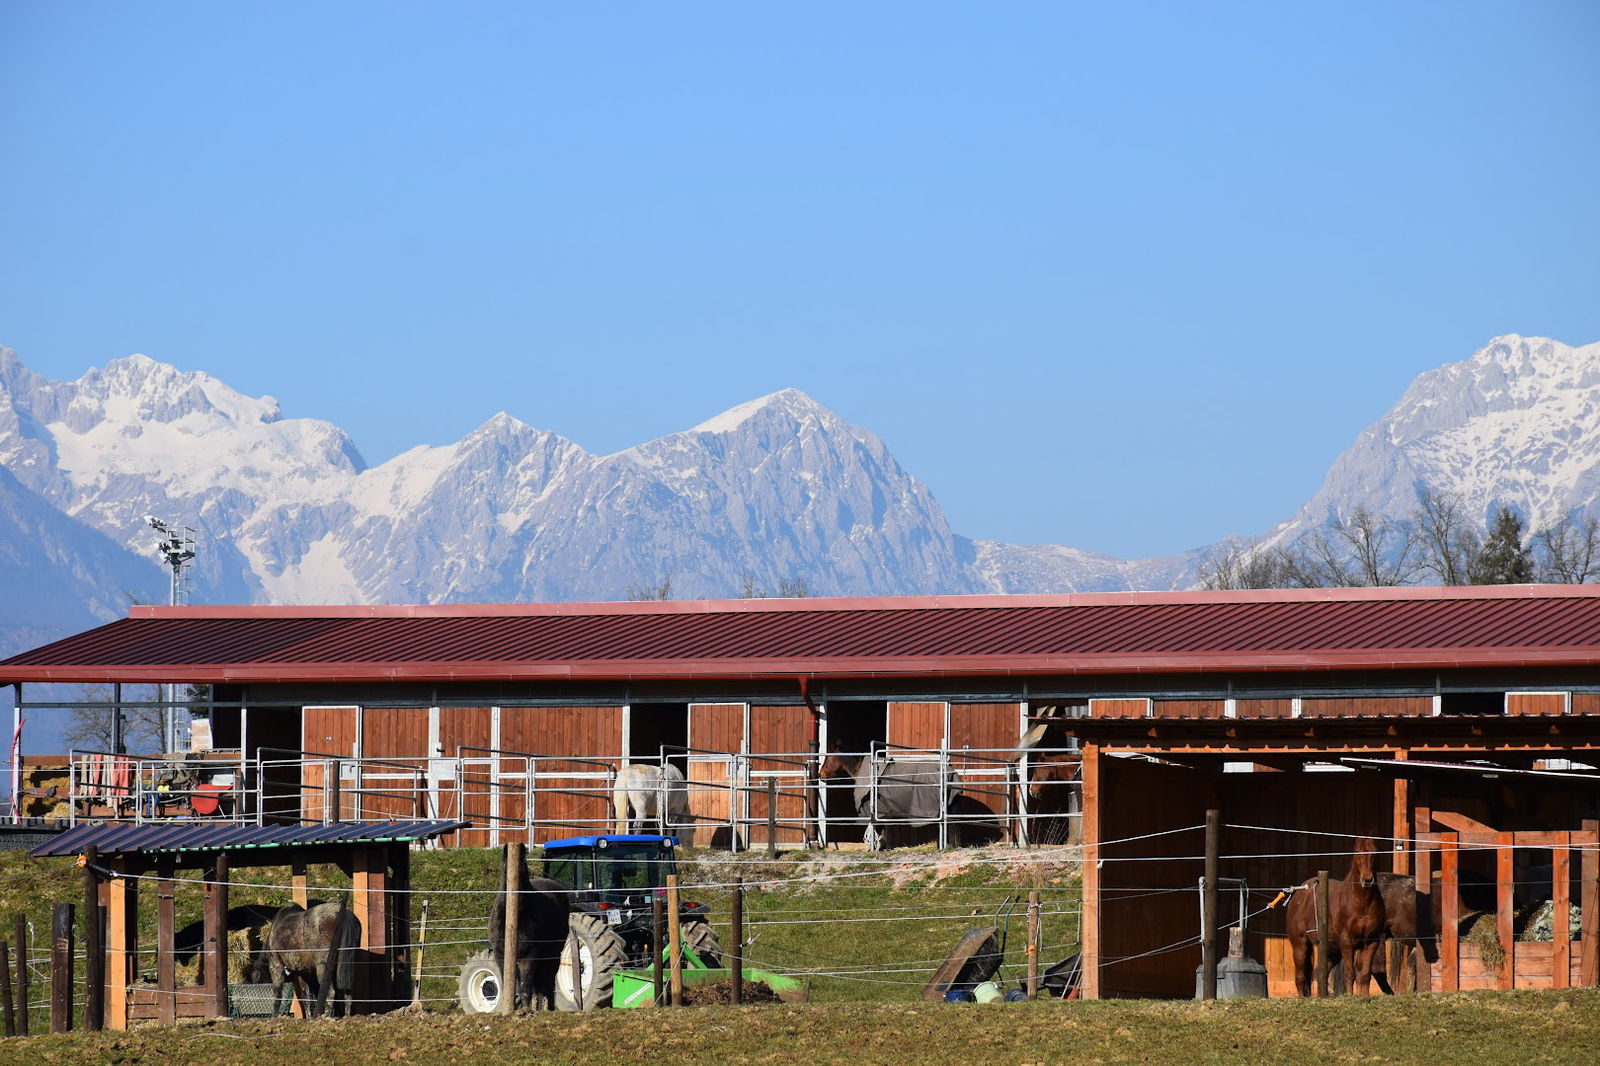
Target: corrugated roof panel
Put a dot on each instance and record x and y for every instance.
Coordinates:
(1182, 631)
(126, 838)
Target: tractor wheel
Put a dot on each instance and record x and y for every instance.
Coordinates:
(601, 953)
(478, 988)
(697, 936)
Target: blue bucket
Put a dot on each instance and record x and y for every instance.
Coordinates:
(959, 995)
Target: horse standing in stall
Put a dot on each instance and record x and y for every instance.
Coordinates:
(1356, 923)
(543, 906)
(909, 792)
(638, 793)
(317, 949)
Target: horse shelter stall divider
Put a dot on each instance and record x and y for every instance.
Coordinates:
(127, 858)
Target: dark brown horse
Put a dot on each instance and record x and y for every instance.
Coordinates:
(543, 906)
(317, 949)
(1356, 923)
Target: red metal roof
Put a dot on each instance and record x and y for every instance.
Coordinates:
(961, 636)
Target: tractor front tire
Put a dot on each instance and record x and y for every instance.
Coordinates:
(697, 936)
(600, 954)
(478, 987)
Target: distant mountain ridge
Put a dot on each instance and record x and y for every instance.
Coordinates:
(773, 492)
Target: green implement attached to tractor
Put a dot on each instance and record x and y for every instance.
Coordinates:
(614, 879)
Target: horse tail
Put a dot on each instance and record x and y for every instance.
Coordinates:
(342, 953)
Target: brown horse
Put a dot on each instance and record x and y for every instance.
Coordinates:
(1356, 923)
(543, 906)
(317, 949)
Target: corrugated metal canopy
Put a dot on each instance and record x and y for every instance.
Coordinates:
(127, 838)
(1111, 633)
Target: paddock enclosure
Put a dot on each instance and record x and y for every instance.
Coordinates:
(1456, 726)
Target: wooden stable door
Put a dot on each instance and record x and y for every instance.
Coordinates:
(784, 736)
(327, 732)
(716, 731)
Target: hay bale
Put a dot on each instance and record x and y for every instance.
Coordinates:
(1485, 934)
(243, 947)
(1541, 927)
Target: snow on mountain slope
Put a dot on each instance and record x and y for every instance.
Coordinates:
(1517, 424)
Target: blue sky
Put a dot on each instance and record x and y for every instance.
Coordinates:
(1124, 277)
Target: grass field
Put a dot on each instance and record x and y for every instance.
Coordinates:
(1481, 1028)
(868, 934)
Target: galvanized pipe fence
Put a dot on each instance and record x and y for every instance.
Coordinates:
(730, 800)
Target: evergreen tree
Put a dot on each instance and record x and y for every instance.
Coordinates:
(1503, 559)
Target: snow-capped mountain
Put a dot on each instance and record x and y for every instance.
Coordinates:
(774, 491)
(1516, 425)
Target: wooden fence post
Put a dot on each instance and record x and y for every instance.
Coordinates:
(62, 949)
(22, 975)
(1033, 944)
(658, 933)
(216, 933)
(6, 1001)
(675, 940)
(94, 955)
(1208, 909)
(738, 943)
(512, 897)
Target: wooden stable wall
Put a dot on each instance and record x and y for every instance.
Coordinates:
(575, 797)
(1147, 888)
(782, 733)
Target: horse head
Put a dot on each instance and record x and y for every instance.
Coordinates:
(1361, 863)
(837, 765)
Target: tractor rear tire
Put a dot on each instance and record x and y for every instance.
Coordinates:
(601, 953)
(478, 988)
(697, 936)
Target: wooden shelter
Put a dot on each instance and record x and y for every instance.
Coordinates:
(119, 859)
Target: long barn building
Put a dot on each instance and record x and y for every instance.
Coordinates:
(1455, 726)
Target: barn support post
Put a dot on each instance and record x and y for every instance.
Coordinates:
(399, 967)
(62, 949)
(1422, 871)
(1505, 903)
(369, 885)
(1089, 933)
(166, 926)
(772, 817)
(1323, 940)
(1208, 908)
(1589, 905)
(1560, 926)
(94, 959)
(216, 933)
(509, 896)
(122, 943)
(1450, 912)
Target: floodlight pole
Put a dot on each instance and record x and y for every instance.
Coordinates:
(177, 549)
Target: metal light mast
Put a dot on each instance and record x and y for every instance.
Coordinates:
(177, 548)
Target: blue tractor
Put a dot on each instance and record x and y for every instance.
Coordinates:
(614, 878)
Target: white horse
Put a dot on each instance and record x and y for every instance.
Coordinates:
(638, 794)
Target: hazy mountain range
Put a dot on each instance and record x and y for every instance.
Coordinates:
(774, 491)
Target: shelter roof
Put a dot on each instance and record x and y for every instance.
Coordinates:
(1170, 632)
(127, 838)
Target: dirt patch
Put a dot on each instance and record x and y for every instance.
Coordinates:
(722, 992)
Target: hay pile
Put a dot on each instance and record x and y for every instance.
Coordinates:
(243, 946)
(1485, 933)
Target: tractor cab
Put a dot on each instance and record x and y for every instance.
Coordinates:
(612, 872)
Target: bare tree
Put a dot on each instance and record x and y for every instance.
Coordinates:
(1569, 553)
(1447, 541)
(789, 588)
(662, 591)
(90, 724)
(1246, 566)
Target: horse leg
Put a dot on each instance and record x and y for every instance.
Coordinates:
(1358, 967)
(1300, 947)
